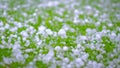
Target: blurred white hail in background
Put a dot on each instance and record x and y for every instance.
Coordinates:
(62, 33)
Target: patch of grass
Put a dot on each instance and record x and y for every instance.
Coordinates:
(6, 52)
(54, 25)
(81, 29)
(69, 41)
(55, 41)
(7, 33)
(38, 22)
(16, 65)
(21, 29)
(3, 19)
(45, 50)
(92, 54)
(40, 64)
(30, 58)
(109, 46)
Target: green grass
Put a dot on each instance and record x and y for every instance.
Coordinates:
(46, 16)
(5, 52)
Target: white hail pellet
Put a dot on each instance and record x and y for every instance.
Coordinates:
(24, 34)
(76, 20)
(65, 48)
(57, 48)
(66, 27)
(16, 46)
(7, 26)
(48, 56)
(89, 31)
(66, 60)
(62, 33)
(76, 12)
(54, 34)
(98, 36)
(97, 24)
(83, 38)
(13, 29)
(79, 62)
(7, 60)
(78, 45)
(1, 23)
(110, 24)
(28, 50)
(84, 57)
(75, 51)
(19, 25)
(49, 32)
(41, 29)
(24, 14)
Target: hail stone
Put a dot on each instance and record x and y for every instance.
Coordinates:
(62, 33)
(65, 48)
(49, 32)
(57, 48)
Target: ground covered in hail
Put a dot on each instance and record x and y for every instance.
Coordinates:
(59, 34)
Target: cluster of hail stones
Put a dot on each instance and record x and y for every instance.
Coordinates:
(77, 53)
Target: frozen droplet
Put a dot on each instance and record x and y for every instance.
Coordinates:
(62, 33)
(76, 11)
(66, 60)
(89, 31)
(83, 38)
(24, 34)
(49, 32)
(1, 23)
(79, 62)
(110, 24)
(78, 45)
(65, 48)
(54, 34)
(7, 60)
(28, 50)
(7, 26)
(57, 48)
(41, 29)
(75, 52)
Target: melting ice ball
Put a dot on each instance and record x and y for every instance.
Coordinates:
(62, 33)
(65, 48)
(49, 32)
